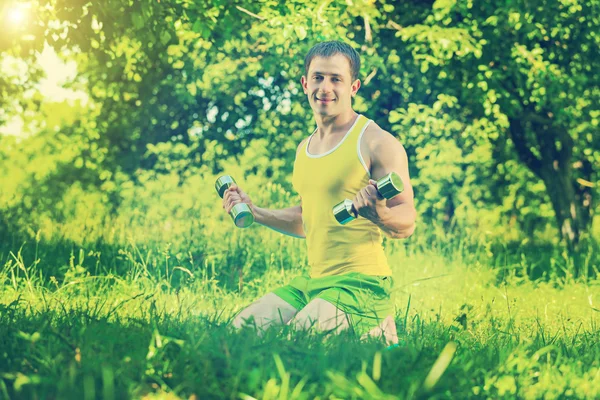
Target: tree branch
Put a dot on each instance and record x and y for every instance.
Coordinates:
(538, 119)
(250, 13)
(547, 133)
(517, 133)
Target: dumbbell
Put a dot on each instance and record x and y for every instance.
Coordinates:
(240, 213)
(389, 186)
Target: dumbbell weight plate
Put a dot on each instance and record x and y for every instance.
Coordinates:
(223, 183)
(344, 212)
(242, 215)
(390, 185)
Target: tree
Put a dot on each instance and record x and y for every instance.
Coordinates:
(216, 76)
(532, 68)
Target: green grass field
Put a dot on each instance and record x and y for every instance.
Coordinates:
(94, 334)
(120, 270)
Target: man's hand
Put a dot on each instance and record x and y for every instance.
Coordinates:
(234, 195)
(369, 203)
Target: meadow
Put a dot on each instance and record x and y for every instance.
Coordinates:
(140, 322)
(119, 271)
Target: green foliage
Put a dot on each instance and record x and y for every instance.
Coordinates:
(506, 64)
(120, 268)
(138, 336)
(450, 162)
(55, 177)
(494, 104)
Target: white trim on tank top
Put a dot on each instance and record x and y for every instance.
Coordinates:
(360, 157)
(335, 148)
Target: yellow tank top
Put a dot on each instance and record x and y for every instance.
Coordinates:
(323, 181)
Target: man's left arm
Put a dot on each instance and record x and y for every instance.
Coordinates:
(397, 218)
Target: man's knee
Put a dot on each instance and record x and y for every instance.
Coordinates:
(240, 321)
(386, 330)
(321, 315)
(250, 317)
(268, 310)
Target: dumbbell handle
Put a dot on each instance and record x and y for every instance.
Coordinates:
(388, 187)
(240, 213)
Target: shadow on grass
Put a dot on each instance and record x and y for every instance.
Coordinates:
(45, 262)
(77, 355)
(546, 261)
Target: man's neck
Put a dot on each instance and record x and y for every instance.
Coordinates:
(329, 126)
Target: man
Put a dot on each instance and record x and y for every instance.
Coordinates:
(350, 282)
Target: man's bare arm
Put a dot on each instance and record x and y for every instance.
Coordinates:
(287, 221)
(397, 219)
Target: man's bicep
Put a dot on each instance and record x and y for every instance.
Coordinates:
(389, 155)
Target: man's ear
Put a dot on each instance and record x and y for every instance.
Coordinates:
(355, 86)
(304, 83)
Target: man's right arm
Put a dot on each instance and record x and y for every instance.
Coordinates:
(287, 221)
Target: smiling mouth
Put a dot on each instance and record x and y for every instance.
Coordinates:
(325, 100)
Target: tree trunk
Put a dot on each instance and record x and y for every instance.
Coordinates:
(449, 213)
(584, 193)
(560, 189)
(572, 205)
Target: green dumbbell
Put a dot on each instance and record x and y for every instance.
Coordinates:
(389, 186)
(240, 213)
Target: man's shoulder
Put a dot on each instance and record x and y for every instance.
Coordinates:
(301, 144)
(375, 136)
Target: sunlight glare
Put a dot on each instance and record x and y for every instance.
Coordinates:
(17, 15)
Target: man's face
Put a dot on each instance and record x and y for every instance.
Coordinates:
(329, 85)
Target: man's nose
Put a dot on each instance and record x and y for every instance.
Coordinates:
(326, 86)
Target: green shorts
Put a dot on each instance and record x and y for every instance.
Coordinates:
(366, 299)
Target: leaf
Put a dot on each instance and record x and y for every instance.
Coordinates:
(165, 37)
(138, 20)
(394, 117)
(206, 31)
(198, 26)
(146, 9)
(301, 32)
(440, 365)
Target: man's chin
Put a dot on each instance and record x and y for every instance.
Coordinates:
(324, 112)
(323, 109)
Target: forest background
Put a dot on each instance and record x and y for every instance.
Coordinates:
(496, 106)
(495, 102)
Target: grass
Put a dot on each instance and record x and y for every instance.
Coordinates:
(77, 329)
